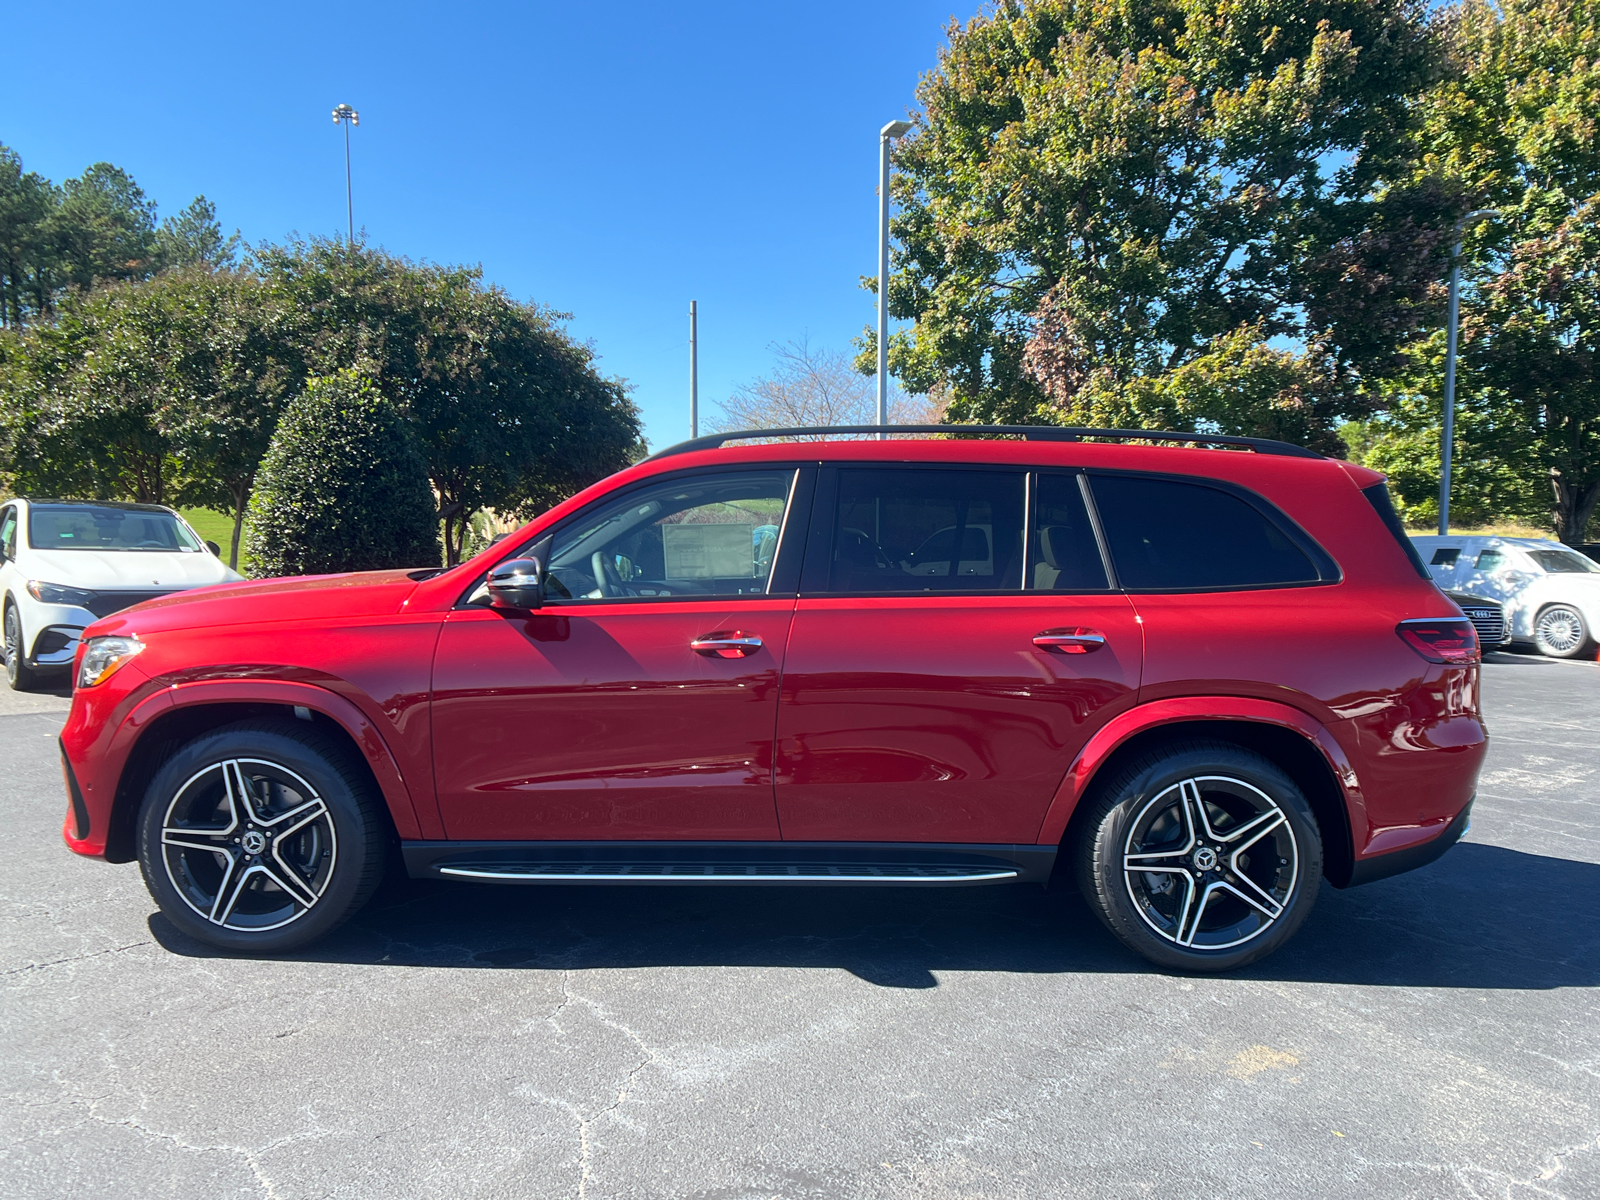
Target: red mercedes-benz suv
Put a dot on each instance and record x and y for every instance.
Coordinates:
(1196, 677)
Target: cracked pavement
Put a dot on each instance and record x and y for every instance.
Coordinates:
(1433, 1035)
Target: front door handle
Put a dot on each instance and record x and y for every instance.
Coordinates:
(726, 644)
(1069, 641)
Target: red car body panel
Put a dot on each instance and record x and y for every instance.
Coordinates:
(936, 718)
(938, 708)
(598, 723)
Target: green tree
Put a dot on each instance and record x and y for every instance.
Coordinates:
(1518, 124)
(1097, 193)
(194, 238)
(342, 487)
(27, 204)
(104, 229)
(509, 412)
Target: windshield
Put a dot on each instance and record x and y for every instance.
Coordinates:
(1567, 561)
(92, 527)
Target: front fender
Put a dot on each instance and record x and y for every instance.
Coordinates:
(1177, 709)
(100, 768)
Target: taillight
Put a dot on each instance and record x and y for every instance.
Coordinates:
(1451, 640)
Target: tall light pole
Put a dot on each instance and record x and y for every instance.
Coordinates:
(694, 369)
(347, 116)
(886, 137)
(1448, 433)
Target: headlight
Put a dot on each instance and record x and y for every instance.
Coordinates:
(103, 656)
(54, 593)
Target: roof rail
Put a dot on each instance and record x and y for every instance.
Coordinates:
(1032, 433)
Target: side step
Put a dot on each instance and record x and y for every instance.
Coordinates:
(765, 863)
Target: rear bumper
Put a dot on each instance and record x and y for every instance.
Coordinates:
(1397, 862)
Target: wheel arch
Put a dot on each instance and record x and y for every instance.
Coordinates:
(198, 709)
(1297, 743)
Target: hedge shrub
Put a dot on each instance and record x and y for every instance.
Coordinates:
(342, 487)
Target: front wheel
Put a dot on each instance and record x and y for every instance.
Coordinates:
(19, 675)
(261, 836)
(1201, 857)
(1559, 632)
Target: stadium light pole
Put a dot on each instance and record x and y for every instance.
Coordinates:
(886, 137)
(1447, 435)
(347, 116)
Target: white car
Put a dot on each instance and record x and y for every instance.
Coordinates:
(1551, 593)
(65, 564)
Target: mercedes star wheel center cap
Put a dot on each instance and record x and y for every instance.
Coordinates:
(253, 842)
(1205, 858)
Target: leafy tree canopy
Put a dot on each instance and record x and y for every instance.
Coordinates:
(1102, 191)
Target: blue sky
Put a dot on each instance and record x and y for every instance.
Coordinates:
(610, 160)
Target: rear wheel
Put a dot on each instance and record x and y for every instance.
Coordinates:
(1202, 856)
(1559, 632)
(261, 836)
(19, 675)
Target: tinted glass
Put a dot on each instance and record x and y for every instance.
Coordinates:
(8, 532)
(926, 530)
(90, 527)
(695, 535)
(1064, 554)
(1490, 560)
(1564, 561)
(1445, 558)
(1165, 534)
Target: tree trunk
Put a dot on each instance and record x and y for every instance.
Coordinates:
(241, 498)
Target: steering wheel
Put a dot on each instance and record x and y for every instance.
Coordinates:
(606, 580)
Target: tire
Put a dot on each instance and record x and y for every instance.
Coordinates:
(19, 674)
(1193, 816)
(261, 836)
(1560, 632)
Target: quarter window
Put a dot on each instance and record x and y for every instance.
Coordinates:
(1167, 535)
(1490, 561)
(911, 529)
(689, 535)
(1064, 553)
(1444, 558)
(8, 533)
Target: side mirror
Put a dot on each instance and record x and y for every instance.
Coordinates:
(216, 550)
(519, 582)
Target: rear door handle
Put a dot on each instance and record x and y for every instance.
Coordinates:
(1070, 641)
(726, 644)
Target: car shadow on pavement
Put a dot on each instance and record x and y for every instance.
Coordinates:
(1481, 917)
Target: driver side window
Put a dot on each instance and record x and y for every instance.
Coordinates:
(687, 535)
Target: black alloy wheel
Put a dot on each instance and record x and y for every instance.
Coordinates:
(19, 674)
(263, 836)
(1202, 856)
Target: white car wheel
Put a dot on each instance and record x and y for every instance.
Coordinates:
(19, 675)
(1559, 632)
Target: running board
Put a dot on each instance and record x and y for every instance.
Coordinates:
(765, 863)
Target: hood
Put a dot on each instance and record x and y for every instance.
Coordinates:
(301, 598)
(130, 570)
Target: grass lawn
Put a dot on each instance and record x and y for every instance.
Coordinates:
(212, 527)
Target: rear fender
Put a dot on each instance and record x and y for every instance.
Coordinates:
(1177, 710)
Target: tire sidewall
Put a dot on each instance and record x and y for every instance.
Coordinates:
(359, 838)
(18, 674)
(1101, 845)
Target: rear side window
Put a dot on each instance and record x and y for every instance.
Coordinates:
(1490, 561)
(1383, 504)
(912, 529)
(1444, 558)
(1167, 535)
(1065, 556)
(8, 532)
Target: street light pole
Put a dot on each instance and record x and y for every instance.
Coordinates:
(1447, 435)
(694, 369)
(886, 136)
(347, 116)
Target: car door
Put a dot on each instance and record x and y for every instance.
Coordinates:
(639, 702)
(941, 700)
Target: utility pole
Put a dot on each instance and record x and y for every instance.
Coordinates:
(1447, 435)
(886, 136)
(694, 370)
(347, 116)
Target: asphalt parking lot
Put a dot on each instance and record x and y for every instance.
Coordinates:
(1432, 1035)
